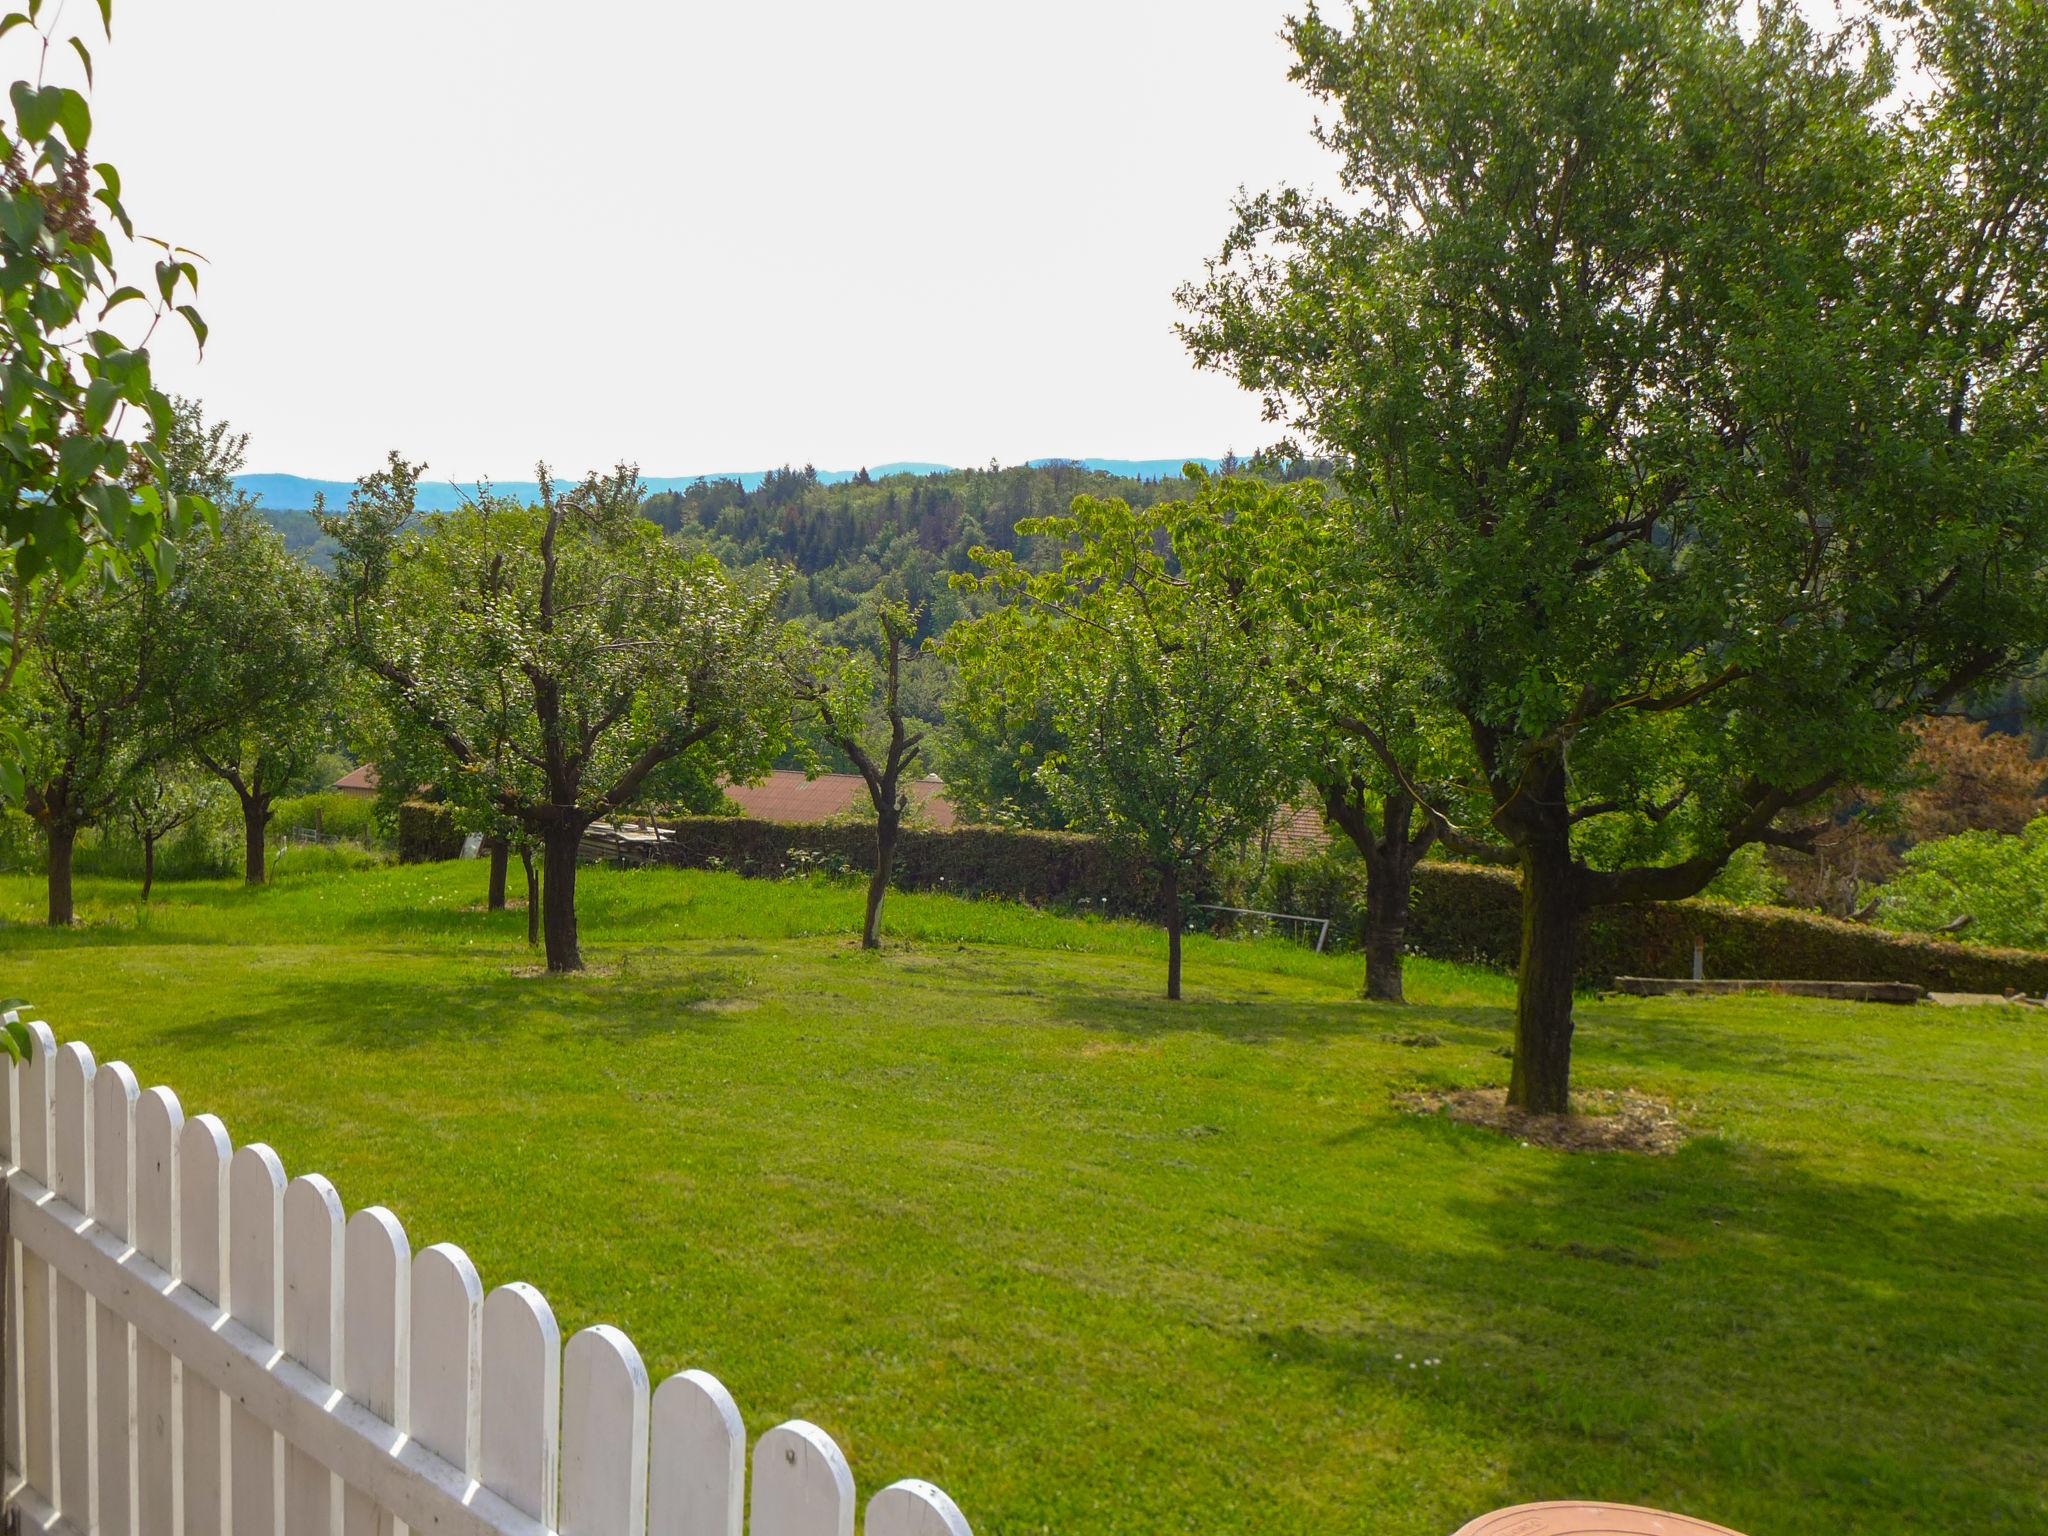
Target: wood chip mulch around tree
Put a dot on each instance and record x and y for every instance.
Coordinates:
(1606, 1120)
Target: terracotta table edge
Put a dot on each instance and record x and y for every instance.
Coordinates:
(1576, 1517)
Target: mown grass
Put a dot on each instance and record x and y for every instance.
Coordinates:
(995, 1214)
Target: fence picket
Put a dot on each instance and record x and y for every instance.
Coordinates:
(914, 1507)
(203, 1153)
(289, 1373)
(522, 1394)
(604, 1436)
(158, 1122)
(697, 1459)
(10, 1303)
(113, 1207)
(38, 1384)
(255, 1220)
(308, 1330)
(447, 1321)
(71, 1182)
(802, 1485)
(377, 1311)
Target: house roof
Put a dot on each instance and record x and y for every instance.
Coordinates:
(360, 780)
(786, 795)
(1298, 829)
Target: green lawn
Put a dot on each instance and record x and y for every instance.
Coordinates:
(994, 1214)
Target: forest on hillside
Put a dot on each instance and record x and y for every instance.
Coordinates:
(900, 537)
(903, 537)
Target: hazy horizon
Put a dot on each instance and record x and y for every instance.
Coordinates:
(682, 236)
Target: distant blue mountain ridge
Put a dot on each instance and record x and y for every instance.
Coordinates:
(295, 493)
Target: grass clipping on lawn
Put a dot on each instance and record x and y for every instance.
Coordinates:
(1606, 1120)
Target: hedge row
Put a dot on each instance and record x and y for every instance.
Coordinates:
(1459, 912)
(1464, 912)
(1044, 867)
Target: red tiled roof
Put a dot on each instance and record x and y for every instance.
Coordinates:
(358, 781)
(788, 796)
(1299, 829)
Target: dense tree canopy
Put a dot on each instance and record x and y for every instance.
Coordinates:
(1688, 393)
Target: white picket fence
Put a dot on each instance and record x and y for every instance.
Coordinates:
(195, 1345)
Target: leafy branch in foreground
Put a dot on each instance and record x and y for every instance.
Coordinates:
(75, 487)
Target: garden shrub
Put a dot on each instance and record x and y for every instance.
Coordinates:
(1998, 881)
(328, 812)
(1465, 912)
(427, 832)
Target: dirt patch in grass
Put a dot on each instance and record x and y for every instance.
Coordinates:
(1606, 1120)
(722, 1005)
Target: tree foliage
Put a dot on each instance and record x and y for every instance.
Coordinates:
(76, 485)
(86, 703)
(1687, 392)
(855, 700)
(556, 663)
(1987, 887)
(247, 637)
(1176, 737)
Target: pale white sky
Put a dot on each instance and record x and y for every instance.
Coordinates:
(705, 236)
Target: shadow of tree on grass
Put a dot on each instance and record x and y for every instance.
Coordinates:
(1725, 1332)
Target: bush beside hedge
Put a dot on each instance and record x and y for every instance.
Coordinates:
(329, 812)
(426, 832)
(1464, 912)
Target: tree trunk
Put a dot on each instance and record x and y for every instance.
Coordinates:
(1388, 878)
(63, 837)
(148, 863)
(1389, 855)
(255, 837)
(558, 897)
(501, 858)
(886, 828)
(532, 898)
(1552, 907)
(1169, 905)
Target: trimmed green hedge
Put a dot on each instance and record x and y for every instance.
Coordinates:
(426, 832)
(1459, 911)
(1464, 912)
(1054, 867)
